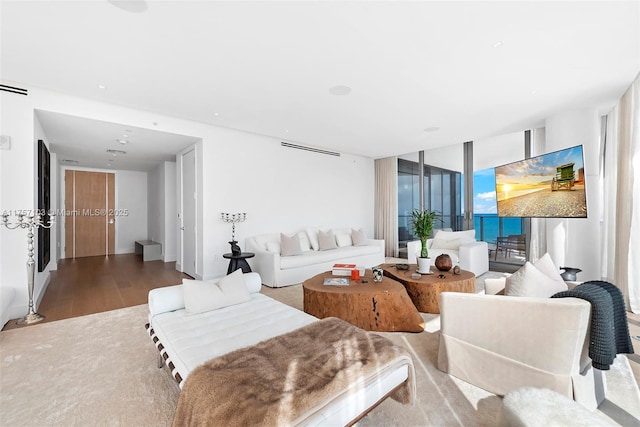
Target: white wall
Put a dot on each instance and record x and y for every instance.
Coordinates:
(169, 250)
(18, 184)
(279, 188)
(575, 242)
(161, 208)
(155, 205)
(131, 196)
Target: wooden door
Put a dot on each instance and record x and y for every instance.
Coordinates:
(90, 219)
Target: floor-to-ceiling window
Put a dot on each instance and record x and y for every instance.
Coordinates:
(505, 236)
(442, 193)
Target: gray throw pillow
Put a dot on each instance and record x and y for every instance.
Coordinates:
(290, 245)
(358, 237)
(326, 240)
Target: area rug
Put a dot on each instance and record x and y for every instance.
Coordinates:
(101, 370)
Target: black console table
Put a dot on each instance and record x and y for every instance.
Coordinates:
(238, 261)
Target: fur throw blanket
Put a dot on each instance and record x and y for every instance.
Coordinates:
(288, 378)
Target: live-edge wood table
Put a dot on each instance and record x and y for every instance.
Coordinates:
(373, 306)
(425, 291)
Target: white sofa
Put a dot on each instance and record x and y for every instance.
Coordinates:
(279, 270)
(461, 246)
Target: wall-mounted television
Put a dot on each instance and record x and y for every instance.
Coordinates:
(548, 186)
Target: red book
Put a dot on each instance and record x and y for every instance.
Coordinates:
(345, 266)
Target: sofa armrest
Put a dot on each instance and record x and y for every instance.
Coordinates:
(548, 334)
(376, 242)
(265, 263)
(474, 257)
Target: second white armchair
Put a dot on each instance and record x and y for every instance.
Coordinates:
(461, 246)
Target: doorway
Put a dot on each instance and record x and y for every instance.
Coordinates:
(90, 213)
(188, 215)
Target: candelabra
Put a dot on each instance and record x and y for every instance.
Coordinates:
(233, 219)
(31, 223)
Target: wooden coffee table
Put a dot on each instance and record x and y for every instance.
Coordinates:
(381, 307)
(425, 291)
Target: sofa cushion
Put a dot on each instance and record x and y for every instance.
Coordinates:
(326, 241)
(290, 245)
(531, 281)
(201, 296)
(359, 238)
(332, 256)
(466, 236)
(453, 244)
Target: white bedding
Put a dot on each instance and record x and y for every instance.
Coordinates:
(192, 339)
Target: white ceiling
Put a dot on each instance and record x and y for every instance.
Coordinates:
(84, 142)
(472, 69)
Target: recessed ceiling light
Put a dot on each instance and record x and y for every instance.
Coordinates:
(497, 44)
(286, 131)
(102, 87)
(340, 90)
(216, 114)
(122, 141)
(432, 129)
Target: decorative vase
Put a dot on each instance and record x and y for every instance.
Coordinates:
(424, 265)
(443, 262)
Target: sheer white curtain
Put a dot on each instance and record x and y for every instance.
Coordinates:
(386, 204)
(621, 197)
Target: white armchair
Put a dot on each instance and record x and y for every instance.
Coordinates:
(461, 246)
(500, 343)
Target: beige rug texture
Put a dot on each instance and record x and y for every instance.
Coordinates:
(100, 370)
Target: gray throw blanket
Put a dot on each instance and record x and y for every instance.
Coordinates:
(609, 328)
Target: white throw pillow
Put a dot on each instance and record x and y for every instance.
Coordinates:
(305, 245)
(529, 281)
(312, 234)
(343, 238)
(290, 245)
(546, 265)
(453, 244)
(326, 240)
(466, 236)
(358, 237)
(201, 296)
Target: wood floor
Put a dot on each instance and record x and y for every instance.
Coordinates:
(95, 284)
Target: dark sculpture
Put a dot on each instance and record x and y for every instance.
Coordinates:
(235, 249)
(443, 262)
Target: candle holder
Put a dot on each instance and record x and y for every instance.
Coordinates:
(30, 223)
(233, 219)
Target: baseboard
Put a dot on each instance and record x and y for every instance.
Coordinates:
(171, 258)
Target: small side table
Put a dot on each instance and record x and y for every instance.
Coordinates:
(238, 261)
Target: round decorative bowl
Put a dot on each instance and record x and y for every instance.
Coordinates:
(443, 262)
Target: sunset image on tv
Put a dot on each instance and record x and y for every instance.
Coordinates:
(548, 186)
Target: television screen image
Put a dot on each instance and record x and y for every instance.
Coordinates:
(548, 186)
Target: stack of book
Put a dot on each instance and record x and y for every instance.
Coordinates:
(342, 269)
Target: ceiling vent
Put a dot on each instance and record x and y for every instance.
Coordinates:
(13, 89)
(314, 150)
(70, 161)
(110, 151)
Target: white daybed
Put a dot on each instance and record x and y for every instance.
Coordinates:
(186, 341)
